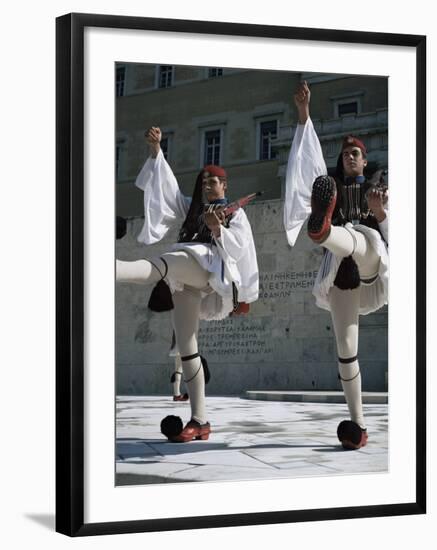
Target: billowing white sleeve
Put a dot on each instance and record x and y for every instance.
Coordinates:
(234, 240)
(305, 164)
(164, 204)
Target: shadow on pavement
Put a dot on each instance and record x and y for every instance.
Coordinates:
(164, 448)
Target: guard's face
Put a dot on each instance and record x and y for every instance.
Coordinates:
(353, 161)
(213, 187)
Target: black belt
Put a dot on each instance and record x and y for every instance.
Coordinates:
(369, 281)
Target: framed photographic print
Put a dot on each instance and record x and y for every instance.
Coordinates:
(226, 320)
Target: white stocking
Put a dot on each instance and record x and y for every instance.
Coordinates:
(344, 311)
(344, 242)
(140, 272)
(179, 266)
(351, 382)
(186, 326)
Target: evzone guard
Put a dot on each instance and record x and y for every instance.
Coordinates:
(347, 216)
(211, 271)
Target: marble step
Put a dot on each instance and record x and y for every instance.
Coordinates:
(313, 396)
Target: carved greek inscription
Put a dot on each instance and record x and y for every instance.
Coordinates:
(281, 284)
(233, 338)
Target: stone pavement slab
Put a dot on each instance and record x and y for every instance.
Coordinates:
(250, 439)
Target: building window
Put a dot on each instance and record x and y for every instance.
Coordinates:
(212, 145)
(268, 130)
(213, 72)
(347, 104)
(331, 148)
(120, 79)
(349, 108)
(165, 76)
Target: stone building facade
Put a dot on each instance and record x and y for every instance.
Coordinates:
(245, 121)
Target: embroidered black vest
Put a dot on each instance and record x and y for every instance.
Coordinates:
(352, 203)
(199, 231)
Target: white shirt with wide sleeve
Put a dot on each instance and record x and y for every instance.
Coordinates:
(231, 259)
(305, 164)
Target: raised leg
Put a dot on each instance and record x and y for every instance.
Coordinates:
(344, 242)
(179, 266)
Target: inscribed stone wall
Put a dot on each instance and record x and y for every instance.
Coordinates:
(285, 343)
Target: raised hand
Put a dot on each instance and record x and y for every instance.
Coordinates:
(153, 138)
(302, 101)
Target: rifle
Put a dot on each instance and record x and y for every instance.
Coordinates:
(235, 205)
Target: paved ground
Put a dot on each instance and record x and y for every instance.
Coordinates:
(250, 440)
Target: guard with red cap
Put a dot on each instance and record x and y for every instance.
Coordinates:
(348, 216)
(211, 269)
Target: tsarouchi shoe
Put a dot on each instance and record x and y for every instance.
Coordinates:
(323, 199)
(183, 397)
(193, 430)
(351, 436)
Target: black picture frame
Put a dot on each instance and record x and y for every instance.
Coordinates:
(70, 273)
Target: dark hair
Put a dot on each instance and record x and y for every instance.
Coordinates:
(339, 170)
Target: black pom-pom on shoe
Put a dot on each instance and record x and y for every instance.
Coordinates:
(171, 426)
(351, 436)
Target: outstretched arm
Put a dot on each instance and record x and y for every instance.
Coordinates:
(302, 101)
(164, 204)
(305, 163)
